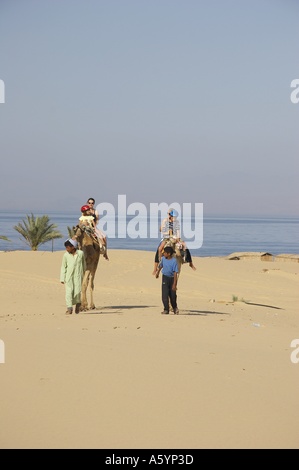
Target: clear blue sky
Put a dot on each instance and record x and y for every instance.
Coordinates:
(160, 100)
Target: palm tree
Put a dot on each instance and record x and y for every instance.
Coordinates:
(37, 230)
(2, 237)
(71, 231)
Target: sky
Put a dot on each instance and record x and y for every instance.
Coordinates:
(184, 101)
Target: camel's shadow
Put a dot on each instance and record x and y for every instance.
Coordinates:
(118, 309)
(115, 308)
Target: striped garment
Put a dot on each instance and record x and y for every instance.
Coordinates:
(170, 228)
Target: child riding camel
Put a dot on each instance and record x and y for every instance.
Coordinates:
(87, 220)
(170, 228)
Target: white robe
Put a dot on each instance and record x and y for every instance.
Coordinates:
(71, 273)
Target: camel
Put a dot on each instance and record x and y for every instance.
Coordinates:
(179, 255)
(92, 251)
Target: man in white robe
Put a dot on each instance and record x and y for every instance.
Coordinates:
(72, 271)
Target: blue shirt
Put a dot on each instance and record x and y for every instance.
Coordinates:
(169, 266)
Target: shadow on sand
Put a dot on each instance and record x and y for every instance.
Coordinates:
(115, 308)
(264, 305)
(201, 312)
(118, 309)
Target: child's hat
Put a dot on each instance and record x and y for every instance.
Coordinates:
(173, 213)
(85, 208)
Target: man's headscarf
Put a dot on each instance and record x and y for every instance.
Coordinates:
(73, 242)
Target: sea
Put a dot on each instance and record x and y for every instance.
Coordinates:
(221, 235)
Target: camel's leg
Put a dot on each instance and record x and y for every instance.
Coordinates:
(91, 289)
(84, 305)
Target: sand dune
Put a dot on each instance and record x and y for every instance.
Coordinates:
(123, 376)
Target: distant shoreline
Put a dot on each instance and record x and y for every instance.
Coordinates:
(220, 236)
(244, 255)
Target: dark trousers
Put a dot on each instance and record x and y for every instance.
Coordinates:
(188, 258)
(168, 293)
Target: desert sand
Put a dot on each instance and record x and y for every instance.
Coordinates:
(219, 375)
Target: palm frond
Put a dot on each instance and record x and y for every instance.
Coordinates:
(71, 231)
(2, 237)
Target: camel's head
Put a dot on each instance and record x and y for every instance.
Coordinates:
(85, 240)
